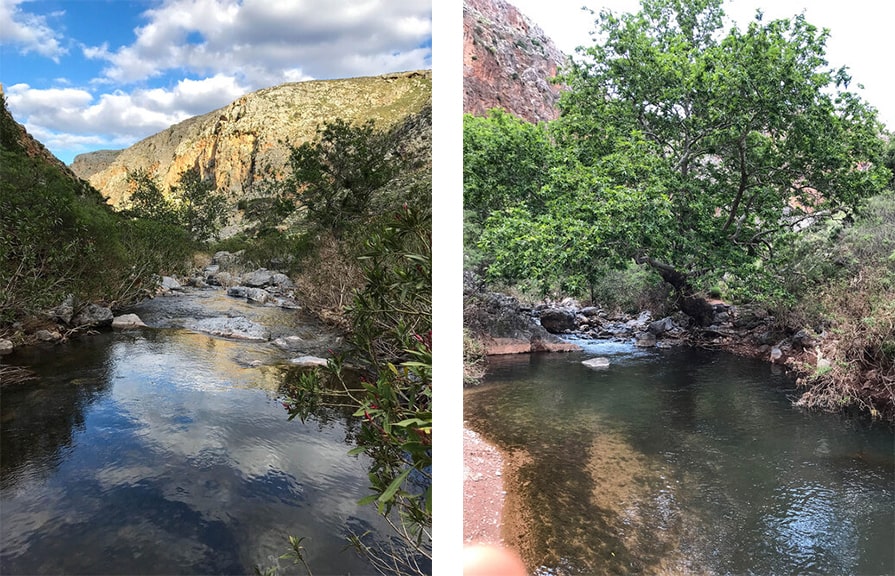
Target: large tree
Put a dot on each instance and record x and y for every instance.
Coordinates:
(704, 149)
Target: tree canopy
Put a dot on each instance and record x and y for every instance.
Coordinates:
(692, 149)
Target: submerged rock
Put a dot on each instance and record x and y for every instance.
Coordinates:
(598, 362)
(240, 328)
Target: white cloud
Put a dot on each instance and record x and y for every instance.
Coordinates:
(74, 120)
(264, 41)
(29, 32)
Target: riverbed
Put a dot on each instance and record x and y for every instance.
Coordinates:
(681, 461)
(165, 450)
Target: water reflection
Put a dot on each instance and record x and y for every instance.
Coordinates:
(167, 452)
(683, 461)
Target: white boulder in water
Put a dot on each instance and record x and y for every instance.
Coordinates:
(127, 321)
(598, 362)
(308, 361)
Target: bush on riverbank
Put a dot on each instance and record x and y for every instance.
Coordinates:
(59, 237)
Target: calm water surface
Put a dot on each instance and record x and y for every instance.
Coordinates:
(683, 461)
(164, 451)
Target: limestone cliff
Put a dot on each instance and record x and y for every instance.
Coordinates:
(508, 62)
(243, 142)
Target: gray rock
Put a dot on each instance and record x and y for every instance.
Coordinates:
(308, 361)
(258, 278)
(282, 281)
(289, 342)
(170, 284)
(558, 320)
(239, 328)
(126, 321)
(211, 270)
(220, 279)
(802, 340)
(645, 340)
(6, 346)
(48, 336)
(224, 259)
(824, 363)
(662, 326)
(93, 316)
(589, 311)
(257, 295)
(237, 291)
(66, 310)
(776, 354)
(598, 362)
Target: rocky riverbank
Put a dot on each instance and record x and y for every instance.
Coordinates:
(261, 288)
(506, 326)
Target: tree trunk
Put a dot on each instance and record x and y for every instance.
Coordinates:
(694, 306)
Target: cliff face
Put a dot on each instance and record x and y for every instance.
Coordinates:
(245, 141)
(508, 62)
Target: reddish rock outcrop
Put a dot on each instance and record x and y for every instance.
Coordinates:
(508, 62)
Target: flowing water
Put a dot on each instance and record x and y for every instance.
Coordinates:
(166, 451)
(682, 461)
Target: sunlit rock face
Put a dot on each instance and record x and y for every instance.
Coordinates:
(508, 62)
(245, 141)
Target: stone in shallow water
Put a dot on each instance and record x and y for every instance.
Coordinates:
(127, 321)
(598, 362)
(308, 361)
(240, 328)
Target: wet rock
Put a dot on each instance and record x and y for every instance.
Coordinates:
(93, 316)
(308, 361)
(239, 328)
(590, 312)
(641, 322)
(776, 354)
(6, 346)
(289, 342)
(598, 362)
(558, 320)
(126, 321)
(645, 340)
(48, 335)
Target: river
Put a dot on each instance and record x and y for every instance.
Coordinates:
(682, 461)
(166, 451)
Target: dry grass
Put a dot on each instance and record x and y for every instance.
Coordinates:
(328, 281)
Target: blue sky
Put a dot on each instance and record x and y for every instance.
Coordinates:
(85, 75)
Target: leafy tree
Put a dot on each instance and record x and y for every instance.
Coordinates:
(202, 211)
(191, 204)
(702, 151)
(336, 175)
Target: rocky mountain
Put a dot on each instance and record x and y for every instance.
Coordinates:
(508, 62)
(244, 142)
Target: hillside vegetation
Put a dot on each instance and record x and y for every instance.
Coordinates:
(690, 163)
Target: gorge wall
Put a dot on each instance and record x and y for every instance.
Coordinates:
(508, 62)
(245, 141)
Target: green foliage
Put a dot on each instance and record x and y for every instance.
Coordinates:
(191, 204)
(336, 175)
(201, 210)
(697, 151)
(391, 337)
(57, 237)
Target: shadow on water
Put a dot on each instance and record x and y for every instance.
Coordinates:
(682, 461)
